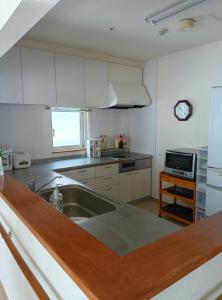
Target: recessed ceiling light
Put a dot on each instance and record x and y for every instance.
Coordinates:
(186, 24)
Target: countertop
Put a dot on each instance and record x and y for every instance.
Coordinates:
(45, 169)
(98, 271)
(128, 228)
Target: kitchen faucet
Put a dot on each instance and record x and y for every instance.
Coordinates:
(32, 184)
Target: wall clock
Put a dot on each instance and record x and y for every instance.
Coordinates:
(183, 110)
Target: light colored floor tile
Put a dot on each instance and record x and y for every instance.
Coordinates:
(150, 205)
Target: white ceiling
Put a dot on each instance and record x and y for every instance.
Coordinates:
(85, 24)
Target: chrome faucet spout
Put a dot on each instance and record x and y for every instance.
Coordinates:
(32, 185)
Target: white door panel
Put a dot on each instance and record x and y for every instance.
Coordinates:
(213, 201)
(215, 129)
(214, 177)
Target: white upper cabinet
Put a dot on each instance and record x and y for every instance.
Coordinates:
(69, 80)
(11, 77)
(96, 83)
(125, 74)
(38, 75)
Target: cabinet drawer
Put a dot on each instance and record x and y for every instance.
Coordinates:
(80, 174)
(89, 182)
(107, 170)
(106, 181)
(110, 191)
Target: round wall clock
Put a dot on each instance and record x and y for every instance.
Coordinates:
(183, 110)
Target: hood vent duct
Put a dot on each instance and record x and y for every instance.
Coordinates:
(125, 95)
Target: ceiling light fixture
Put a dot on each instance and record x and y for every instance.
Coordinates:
(186, 24)
(171, 10)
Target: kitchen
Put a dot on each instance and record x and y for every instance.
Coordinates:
(194, 67)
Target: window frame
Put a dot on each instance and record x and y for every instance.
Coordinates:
(83, 130)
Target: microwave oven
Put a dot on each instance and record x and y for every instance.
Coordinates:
(181, 162)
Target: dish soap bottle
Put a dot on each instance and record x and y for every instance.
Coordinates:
(56, 199)
(1, 174)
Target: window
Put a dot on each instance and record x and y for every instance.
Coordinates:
(68, 129)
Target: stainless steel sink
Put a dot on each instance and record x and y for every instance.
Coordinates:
(81, 202)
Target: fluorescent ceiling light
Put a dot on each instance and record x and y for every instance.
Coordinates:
(171, 10)
(7, 8)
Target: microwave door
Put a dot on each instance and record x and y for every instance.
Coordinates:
(182, 162)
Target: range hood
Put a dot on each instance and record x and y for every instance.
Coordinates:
(125, 95)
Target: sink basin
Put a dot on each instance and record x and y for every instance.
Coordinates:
(81, 202)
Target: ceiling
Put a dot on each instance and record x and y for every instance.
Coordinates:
(85, 24)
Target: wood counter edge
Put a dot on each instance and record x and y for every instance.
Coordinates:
(112, 276)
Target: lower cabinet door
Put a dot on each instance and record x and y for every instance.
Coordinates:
(147, 182)
(89, 183)
(125, 187)
(109, 191)
(138, 184)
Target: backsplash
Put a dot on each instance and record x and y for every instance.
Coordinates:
(28, 128)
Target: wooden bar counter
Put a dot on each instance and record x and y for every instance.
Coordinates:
(99, 272)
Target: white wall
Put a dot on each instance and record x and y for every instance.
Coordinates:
(184, 75)
(142, 121)
(28, 128)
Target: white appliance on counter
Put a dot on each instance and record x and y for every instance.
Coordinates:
(21, 160)
(214, 171)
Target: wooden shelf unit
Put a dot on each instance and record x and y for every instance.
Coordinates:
(175, 181)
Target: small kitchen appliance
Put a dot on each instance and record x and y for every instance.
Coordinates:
(21, 160)
(93, 148)
(6, 154)
(181, 162)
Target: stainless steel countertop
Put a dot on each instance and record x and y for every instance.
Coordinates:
(46, 168)
(128, 228)
(123, 230)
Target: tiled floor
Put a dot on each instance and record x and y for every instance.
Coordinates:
(2, 293)
(151, 205)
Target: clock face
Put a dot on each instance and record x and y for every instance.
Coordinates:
(183, 110)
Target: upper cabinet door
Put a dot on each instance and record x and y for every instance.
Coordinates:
(38, 75)
(69, 80)
(96, 83)
(11, 77)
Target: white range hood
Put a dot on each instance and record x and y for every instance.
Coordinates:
(127, 95)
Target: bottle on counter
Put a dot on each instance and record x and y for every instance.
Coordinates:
(120, 141)
(56, 199)
(1, 175)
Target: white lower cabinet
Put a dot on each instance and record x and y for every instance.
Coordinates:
(147, 182)
(108, 182)
(89, 183)
(138, 185)
(135, 185)
(109, 191)
(125, 187)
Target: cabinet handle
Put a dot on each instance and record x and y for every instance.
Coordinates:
(107, 167)
(128, 174)
(136, 173)
(108, 189)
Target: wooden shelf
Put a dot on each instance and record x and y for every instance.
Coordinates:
(183, 217)
(185, 199)
(175, 217)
